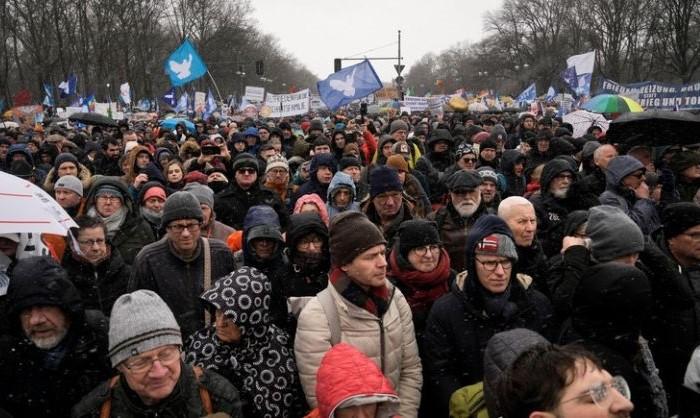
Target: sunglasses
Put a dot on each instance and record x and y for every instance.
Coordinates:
(247, 170)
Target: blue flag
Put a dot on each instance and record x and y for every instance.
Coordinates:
(170, 98)
(68, 87)
(144, 104)
(350, 83)
(184, 64)
(570, 77)
(550, 94)
(182, 103)
(528, 95)
(48, 95)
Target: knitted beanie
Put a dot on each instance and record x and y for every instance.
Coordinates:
(398, 125)
(155, 191)
(181, 205)
(498, 245)
(65, 157)
(71, 183)
(109, 190)
(349, 161)
(276, 161)
(384, 179)
(613, 234)
(416, 233)
(679, 217)
(204, 194)
(352, 233)
(397, 162)
(140, 321)
(244, 160)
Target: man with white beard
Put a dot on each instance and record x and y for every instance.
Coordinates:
(454, 220)
(58, 352)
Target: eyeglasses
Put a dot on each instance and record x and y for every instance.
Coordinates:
(108, 198)
(91, 242)
(564, 176)
(247, 170)
(638, 174)
(469, 160)
(307, 242)
(384, 197)
(277, 172)
(423, 251)
(178, 228)
(600, 393)
(492, 264)
(166, 356)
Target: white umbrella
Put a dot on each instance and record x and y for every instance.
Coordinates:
(25, 207)
(9, 124)
(581, 120)
(478, 107)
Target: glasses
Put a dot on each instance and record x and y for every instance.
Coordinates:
(247, 170)
(384, 197)
(492, 264)
(423, 251)
(307, 242)
(108, 198)
(91, 242)
(638, 174)
(469, 160)
(564, 176)
(178, 228)
(600, 393)
(166, 356)
(277, 172)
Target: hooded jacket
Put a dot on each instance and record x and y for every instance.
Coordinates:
(232, 204)
(313, 186)
(642, 211)
(135, 232)
(515, 185)
(47, 383)
(317, 201)
(459, 327)
(341, 179)
(305, 278)
(453, 230)
(268, 388)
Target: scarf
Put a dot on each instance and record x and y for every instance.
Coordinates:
(112, 222)
(650, 372)
(375, 300)
(152, 217)
(422, 289)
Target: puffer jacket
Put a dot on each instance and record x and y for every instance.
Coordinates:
(641, 211)
(232, 204)
(389, 342)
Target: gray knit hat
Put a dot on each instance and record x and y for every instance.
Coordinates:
(203, 193)
(140, 321)
(397, 125)
(181, 205)
(497, 244)
(613, 234)
(71, 183)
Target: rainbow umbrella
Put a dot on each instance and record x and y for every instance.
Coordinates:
(612, 103)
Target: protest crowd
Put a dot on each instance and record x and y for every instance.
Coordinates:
(348, 264)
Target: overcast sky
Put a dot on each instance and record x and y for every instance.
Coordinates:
(316, 31)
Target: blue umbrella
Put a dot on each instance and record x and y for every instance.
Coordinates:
(170, 124)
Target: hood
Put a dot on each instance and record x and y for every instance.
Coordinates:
(441, 135)
(347, 375)
(323, 159)
(338, 180)
(574, 220)
(301, 224)
(148, 185)
(553, 169)
(508, 160)
(260, 215)
(244, 297)
(621, 167)
(112, 181)
(483, 227)
(502, 349)
(20, 149)
(315, 199)
(42, 281)
(159, 153)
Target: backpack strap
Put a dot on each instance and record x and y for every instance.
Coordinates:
(328, 304)
(106, 408)
(203, 392)
(207, 275)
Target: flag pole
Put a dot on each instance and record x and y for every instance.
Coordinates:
(215, 86)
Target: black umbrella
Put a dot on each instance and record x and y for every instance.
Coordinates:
(90, 118)
(656, 127)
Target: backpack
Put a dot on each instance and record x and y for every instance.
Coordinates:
(469, 402)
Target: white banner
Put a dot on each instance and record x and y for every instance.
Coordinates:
(255, 94)
(316, 103)
(200, 99)
(282, 105)
(415, 103)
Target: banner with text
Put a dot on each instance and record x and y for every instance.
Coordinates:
(653, 95)
(255, 94)
(282, 105)
(416, 103)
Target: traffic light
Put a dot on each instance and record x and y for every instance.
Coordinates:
(337, 65)
(259, 68)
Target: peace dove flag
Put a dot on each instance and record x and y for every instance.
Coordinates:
(184, 64)
(350, 83)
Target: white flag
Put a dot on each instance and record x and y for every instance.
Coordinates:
(125, 93)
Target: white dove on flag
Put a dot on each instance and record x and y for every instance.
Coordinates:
(346, 86)
(181, 69)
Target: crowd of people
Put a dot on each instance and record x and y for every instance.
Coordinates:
(465, 265)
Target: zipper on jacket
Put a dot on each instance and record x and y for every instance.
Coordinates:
(381, 344)
(97, 289)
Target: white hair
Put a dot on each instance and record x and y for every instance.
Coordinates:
(507, 206)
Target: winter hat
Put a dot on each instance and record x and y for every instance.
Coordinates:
(440, 135)
(21, 169)
(71, 183)
(487, 173)
(397, 162)
(140, 321)
(244, 160)
(679, 217)
(109, 190)
(682, 160)
(384, 179)
(316, 125)
(181, 205)
(613, 234)
(204, 194)
(589, 148)
(497, 244)
(397, 125)
(252, 131)
(154, 191)
(276, 161)
(481, 137)
(350, 234)
(195, 176)
(261, 221)
(416, 233)
(351, 149)
(488, 143)
(349, 161)
(464, 148)
(65, 157)
(463, 179)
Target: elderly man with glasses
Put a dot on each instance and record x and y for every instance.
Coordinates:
(144, 347)
(183, 264)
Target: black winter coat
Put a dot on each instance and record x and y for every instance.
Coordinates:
(232, 204)
(184, 401)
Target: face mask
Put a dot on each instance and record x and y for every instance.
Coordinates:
(217, 186)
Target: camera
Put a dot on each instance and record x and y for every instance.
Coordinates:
(210, 150)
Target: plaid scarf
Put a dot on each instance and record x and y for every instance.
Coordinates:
(375, 300)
